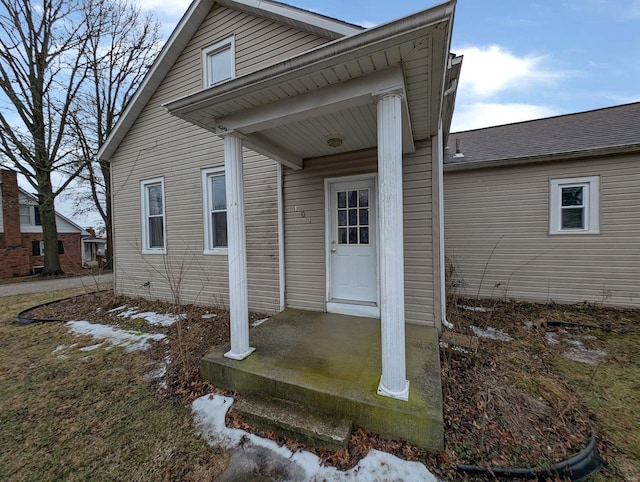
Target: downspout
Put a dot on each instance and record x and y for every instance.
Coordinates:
(437, 154)
(280, 236)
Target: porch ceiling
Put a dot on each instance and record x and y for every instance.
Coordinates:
(288, 110)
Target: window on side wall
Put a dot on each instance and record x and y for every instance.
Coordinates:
(575, 205)
(218, 63)
(215, 211)
(153, 216)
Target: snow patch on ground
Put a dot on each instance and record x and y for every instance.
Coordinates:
(259, 322)
(130, 340)
(208, 316)
(91, 347)
(577, 351)
(492, 333)
(480, 309)
(119, 308)
(150, 317)
(551, 338)
(209, 412)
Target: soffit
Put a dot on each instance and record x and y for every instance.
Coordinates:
(417, 46)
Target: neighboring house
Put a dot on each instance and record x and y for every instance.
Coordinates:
(94, 248)
(21, 245)
(275, 158)
(547, 210)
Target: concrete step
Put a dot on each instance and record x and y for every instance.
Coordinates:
(295, 421)
(332, 363)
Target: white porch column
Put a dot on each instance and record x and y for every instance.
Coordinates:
(237, 251)
(393, 382)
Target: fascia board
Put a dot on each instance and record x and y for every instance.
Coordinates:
(327, 54)
(298, 16)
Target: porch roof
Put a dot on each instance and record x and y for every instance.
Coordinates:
(333, 87)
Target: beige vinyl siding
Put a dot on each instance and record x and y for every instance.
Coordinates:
(304, 219)
(497, 234)
(160, 145)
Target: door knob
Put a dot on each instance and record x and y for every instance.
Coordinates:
(333, 250)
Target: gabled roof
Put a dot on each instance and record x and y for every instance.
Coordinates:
(35, 200)
(611, 130)
(198, 10)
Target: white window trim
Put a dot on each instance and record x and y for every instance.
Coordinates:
(231, 42)
(591, 204)
(206, 218)
(144, 209)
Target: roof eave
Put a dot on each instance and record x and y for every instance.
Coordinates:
(323, 53)
(561, 156)
(178, 40)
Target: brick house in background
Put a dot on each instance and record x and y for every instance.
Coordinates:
(21, 245)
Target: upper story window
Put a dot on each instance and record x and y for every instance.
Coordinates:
(218, 62)
(215, 211)
(153, 216)
(574, 204)
(30, 215)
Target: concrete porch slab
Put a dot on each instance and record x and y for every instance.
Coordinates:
(332, 363)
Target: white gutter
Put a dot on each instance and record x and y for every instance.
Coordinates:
(582, 154)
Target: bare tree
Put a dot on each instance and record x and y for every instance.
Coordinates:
(119, 53)
(41, 72)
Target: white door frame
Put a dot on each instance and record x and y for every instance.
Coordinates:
(368, 310)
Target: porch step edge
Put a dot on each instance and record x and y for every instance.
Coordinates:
(293, 420)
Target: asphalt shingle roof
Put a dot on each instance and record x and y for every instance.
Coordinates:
(583, 131)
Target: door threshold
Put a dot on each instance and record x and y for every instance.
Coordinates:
(369, 310)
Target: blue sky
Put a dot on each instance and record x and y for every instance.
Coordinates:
(522, 59)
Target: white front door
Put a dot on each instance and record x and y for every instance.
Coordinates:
(352, 248)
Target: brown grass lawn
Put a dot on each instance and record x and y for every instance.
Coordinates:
(67, 414)
(88, 415)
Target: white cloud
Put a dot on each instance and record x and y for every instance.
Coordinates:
(163, 7)
(366, 23)
(489, 70)
(476, 115)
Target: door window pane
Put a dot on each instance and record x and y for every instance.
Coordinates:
(353, 199)
(353, 235)
(342, 199)
(364, 198)
(364, 235)
(342, 217)
(353, 213)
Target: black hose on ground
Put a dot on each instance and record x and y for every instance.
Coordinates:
(576, 468)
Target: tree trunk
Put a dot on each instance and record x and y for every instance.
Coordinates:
(49, 228)
(105, 167)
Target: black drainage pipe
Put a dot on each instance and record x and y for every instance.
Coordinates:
(576, 468)
(22, 319)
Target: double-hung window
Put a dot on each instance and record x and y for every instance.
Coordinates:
(153, 216)
(30, 215)
(218, 63)
(215, 211)
(574, 205)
